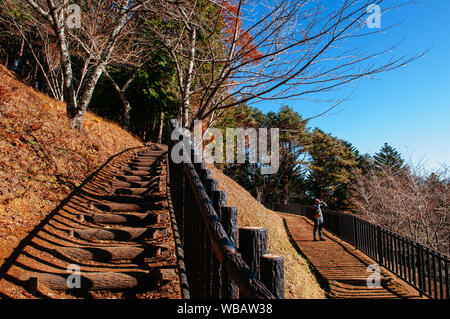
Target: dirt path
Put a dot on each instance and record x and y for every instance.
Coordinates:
(111, 238)
(342, 267)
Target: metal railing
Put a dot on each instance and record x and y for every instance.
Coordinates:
(423, 268)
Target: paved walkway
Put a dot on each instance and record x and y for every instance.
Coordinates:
(341, 266)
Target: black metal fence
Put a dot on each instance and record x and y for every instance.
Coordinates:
(215, 269)
(422, 267)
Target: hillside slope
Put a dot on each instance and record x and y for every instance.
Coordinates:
(300, 283)
(41, 158)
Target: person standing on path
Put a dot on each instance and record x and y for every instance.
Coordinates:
(318, 219)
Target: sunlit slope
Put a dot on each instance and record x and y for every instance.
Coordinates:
(299, 281)
(42, 158)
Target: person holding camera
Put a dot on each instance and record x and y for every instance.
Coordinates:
(318, 219)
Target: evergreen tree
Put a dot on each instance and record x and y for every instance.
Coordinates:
(287, 184)
(293, 142)
(365, 161)
(388, 158)
(149, 94)
(331, 166)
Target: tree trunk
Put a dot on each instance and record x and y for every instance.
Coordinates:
(21, 48)
(286, 189)
(180, 115)
(126, 113)
(69, 93)
(161, 124)
(121, 92)
(189, 71)
(86, 94)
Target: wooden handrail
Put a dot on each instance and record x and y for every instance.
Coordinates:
(230, 260)
(226, 253)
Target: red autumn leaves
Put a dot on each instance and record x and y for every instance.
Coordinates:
(235, 33)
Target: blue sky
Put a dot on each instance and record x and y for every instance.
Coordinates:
(409, 107)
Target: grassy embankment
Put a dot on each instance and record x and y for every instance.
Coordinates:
(300, 283)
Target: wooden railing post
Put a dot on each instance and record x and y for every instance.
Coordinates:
(379, 245)
(229, 221)
(405, 274)
(188, 237)
(211, 186)
(184, 283)
(428, 272)
(253, 244)
(208, 247)
(409, 263)
(208, 267)
(446, 277)
(441, 280)
(195, 277)
(420, 268)
(182, 187)
(219, 200)
(435, 283)
(272, 274)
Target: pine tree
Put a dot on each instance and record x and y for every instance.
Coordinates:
(331, 167)
(365, 161)
(286, 184)
(388, 158)
(293, 141)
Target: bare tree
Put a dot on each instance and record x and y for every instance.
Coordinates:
(39, 40)
(245, 51)
(128, 56)
(225, 52)
(99, 35)
(121, 92)
(413, 206)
